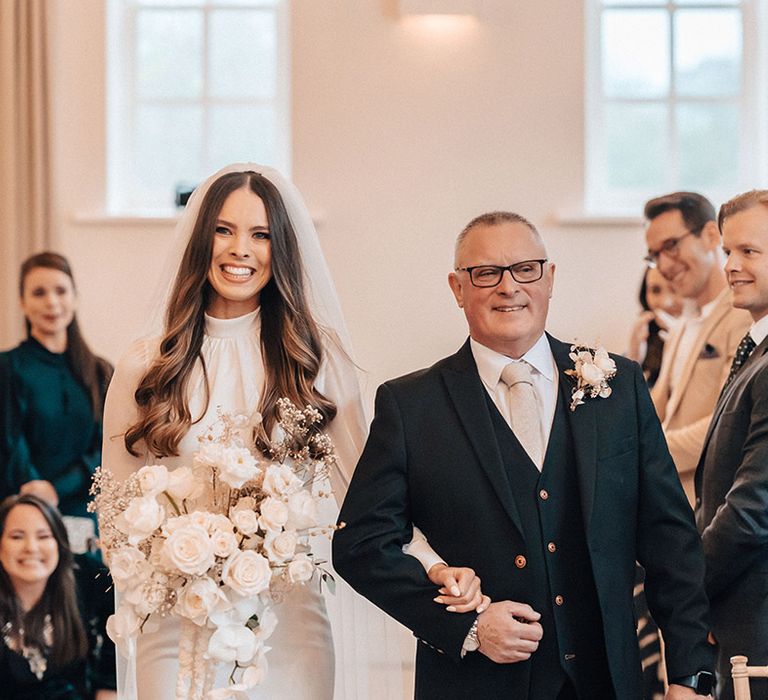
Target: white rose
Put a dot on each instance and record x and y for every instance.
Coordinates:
(140, 519)
(209, 454)
(274, 514)
(302, 510)
(219, 521)
(189, 550)
(199, 599)
(237, 466)
(247, 573)
(591, 374)
(604, 362)
(280, 547)
(152, 479)
(244, 516)
(123, 626)
(300, 569)
(183, 484)
(128, 566)
(233, 643)
(280, 480)
(224, 542)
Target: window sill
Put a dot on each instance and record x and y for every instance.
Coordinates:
(596, 221)
(167, 217)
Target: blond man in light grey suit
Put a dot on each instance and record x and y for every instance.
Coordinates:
(684, 244)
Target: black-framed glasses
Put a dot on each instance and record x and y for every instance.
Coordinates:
(523, 272)
(670, 248)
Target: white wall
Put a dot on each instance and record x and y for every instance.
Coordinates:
(401, 133)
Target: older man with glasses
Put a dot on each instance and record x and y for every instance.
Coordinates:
(684, 245)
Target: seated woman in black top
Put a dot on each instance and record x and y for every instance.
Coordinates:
(52, 391)
(52, 640)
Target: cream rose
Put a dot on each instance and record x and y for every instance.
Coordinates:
(604, 362)
(140, 519)
(199, 599)
(247, 573)
(280, 480)
(224, 543)
(280, 547)
(302, 510)
(301, 569)
(128, 567)
(183, 484)
(237, 466)
(591, 374)
(153, 479)
(244, 516)
(274, 514)
(189, 550)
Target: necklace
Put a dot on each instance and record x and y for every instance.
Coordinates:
(35, 656)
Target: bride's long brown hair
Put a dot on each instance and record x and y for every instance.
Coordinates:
(290, 338)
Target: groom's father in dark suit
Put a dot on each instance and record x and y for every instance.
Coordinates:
(732, 476)
(550, 506)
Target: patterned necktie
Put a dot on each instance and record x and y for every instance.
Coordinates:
(524, 409)
(746, 346)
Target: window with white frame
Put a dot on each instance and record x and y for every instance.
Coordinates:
(193, 85)
(675, 100)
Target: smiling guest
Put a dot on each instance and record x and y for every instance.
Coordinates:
(548, 494)
(52, 610)
(684, 246)
(732, 476)
(52, 391)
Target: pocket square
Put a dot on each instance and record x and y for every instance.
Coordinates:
(708, 352)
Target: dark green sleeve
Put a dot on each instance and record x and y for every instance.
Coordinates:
(16, 467)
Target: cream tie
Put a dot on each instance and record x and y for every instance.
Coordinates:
(524, 409)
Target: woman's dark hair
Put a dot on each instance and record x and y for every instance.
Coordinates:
(290, 338)
(91, 371)
(59, 598)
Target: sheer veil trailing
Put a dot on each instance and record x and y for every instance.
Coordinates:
(369, 646)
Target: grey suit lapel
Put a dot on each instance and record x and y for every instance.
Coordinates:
(468, 396)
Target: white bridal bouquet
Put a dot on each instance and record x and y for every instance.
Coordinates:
(215, 544)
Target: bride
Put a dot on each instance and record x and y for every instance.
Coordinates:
(251, 317)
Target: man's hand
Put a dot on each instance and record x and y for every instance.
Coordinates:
(681, 692)
(459, 588)
(42, 489)
(509, 632)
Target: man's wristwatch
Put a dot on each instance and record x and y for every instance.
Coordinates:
(471, 642)
(703, 682)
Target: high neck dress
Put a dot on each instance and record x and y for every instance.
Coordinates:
(301, 659)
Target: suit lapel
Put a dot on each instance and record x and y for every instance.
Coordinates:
(583, 425)
(722, 307)
(468, 396)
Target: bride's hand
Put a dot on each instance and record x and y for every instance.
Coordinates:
(459, 588)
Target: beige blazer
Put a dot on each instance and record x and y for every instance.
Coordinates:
(686, 411)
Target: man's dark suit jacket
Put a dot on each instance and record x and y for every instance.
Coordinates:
(732, 515)
(432, 460)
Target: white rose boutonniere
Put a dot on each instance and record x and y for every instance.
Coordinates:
(592, 370)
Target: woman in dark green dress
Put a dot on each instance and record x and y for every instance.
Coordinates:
(52, 391)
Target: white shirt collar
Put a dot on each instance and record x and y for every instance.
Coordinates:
(490, 363)
(759, 330)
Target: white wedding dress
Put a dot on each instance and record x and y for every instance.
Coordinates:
(301, 659)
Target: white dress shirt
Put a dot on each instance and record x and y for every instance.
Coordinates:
(689, 333)
(759, 330)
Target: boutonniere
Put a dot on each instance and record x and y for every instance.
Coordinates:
(593, 367)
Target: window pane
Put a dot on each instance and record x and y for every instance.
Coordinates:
(166, 150)
(636, 145)
(169, 53)
(242, 53)
(635, 53)
(708, 2)
(708, 52)
(709, 145)
(242, 134)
